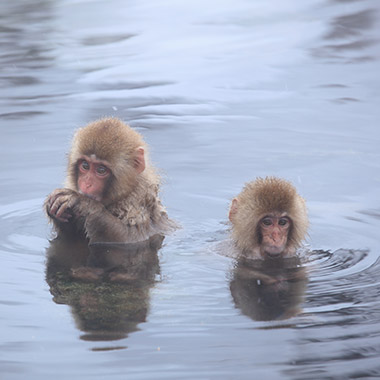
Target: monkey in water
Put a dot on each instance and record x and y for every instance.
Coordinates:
(110, 198)
(269, 219)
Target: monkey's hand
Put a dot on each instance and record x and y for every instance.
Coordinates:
(59, 204)
(68, 208)
(85, 208)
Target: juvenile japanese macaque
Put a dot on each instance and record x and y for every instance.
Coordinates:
(110, 197)
(269, 219)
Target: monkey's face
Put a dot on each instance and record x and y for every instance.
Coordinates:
(93, 176)
(274, 231)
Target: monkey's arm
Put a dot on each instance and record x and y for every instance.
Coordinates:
(69, 209)
(101, 226)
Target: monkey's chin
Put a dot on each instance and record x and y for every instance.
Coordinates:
(271, 255)
(273, 251)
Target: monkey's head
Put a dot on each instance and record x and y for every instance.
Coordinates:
(268, 218)
(107, 160)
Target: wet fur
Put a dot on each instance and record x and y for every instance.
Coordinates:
(260, 198)
(130, 198)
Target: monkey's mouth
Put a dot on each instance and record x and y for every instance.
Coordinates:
(273, 247)
(273, 251)
(92, 196)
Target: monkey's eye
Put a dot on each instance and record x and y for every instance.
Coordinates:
(102, 170)
(267, 222)
(283, 221)
(85, 165)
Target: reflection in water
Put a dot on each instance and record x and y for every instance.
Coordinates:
(103, 312)
(269, 289)
(352, 24)
(23, 46)
(110, 309)
(348, 31)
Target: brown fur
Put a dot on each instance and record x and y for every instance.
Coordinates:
(115, 142)
(130, 210)
(260, 198)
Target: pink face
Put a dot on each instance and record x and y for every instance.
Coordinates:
(93, 176)
(274, 231)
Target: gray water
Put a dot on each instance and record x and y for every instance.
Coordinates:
(223, 91)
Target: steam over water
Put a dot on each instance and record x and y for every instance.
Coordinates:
(223, 92)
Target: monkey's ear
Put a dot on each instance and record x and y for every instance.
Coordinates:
(139, 160)
(233, 209)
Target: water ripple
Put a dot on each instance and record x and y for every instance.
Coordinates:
(344, 285)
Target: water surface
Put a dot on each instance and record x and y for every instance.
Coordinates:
(223, 92)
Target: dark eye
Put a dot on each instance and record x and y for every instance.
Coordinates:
(283, 221)
(101, 170)
(85, 165)
(267, 221)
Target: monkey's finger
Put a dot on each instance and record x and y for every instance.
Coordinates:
(54, 205)
(54, 196)
(65, 216)
(62, 211)
(59, 207)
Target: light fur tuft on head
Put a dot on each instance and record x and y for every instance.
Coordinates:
(260, 198)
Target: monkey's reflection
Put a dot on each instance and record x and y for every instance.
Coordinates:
(268, 290)
(109, 293)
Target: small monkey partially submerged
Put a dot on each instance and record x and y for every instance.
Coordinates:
(269, 219)
(111, 193)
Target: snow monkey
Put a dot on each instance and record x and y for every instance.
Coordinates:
(269, 219)
(111, 190)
